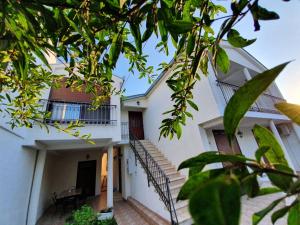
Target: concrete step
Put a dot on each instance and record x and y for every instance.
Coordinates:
(184, 218)
(176, 181)
(168, 168)
(181, 204)
(172, 174)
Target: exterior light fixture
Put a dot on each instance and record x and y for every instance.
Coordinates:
(138, 102)
(240, 133)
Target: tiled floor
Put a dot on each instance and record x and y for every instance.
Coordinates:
(124, 213)
(58, 217)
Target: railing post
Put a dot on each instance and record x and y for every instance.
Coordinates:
(147, 169)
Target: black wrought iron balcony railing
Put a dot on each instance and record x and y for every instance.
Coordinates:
(265, 102)
(65, 112)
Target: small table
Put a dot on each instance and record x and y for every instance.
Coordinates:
(70, 193)
(69, 197)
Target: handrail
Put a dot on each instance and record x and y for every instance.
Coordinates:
(155, 175)
(237, 87)
(264, 103)
(66, 112)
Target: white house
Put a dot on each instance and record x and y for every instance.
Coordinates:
(34, 164)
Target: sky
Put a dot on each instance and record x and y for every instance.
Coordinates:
(277, 42)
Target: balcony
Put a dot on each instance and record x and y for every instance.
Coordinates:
(66, 112)
(265, 102)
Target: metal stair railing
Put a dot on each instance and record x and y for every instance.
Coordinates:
(155, 175)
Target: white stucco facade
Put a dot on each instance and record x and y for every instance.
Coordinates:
(34, 163)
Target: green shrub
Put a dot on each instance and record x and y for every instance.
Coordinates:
(86, 216)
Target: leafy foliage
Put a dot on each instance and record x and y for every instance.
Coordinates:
(290, 110)
(242, 100)
(89, 37)
(86, 216)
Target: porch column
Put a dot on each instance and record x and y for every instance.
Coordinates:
(34, 196)
(297, 130)
(110, 176)
(247, 74)
(277, 135)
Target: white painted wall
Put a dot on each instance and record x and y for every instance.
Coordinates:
(140, 191)
(60, 173)
(64, 170)
(292, 145)
(190, 144)
(16, 170)
(45, 195)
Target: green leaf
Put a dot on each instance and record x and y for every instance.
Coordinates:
(216, 202)
(135, 30)
(290, 110)
(294, 214)
(122, 2)
(261, 13)
(196, 181)
(222, 60)
(193, 105)
(162, 30)
(268, 190)
(169, 3)
(250, 185)
(186, 13)
(258, 216)
(279, 213)
(234, 38)
(191, 44)
(284, 182)
(179, 26)
(245, 96)
(260, 152)
(147, 34)
(115, 49)
(265, 138)
(206, 158)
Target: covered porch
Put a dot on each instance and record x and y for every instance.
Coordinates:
(76, 173)
(286, 133)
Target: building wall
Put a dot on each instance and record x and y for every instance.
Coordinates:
(139, 189)
(60, 173)
(45, 199)
(64, 169)
(292, 144)
(190, 144)
(16, 171)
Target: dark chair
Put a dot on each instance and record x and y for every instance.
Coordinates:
(70, 201)
(56, 202)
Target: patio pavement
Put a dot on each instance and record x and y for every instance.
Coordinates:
(123, 212)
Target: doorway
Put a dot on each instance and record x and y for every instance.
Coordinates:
(136, 127)
(223, 143)
(86, 177)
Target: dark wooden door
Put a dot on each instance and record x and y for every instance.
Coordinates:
(86, 177)
(223, 143)
(136, 124)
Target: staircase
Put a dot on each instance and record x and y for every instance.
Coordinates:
(164, 177)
